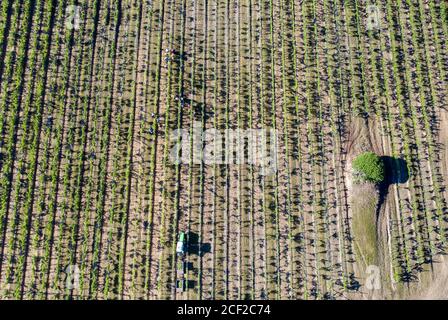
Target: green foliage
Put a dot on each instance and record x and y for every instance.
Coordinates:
(368, 167)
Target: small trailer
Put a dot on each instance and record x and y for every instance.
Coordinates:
(181, 268)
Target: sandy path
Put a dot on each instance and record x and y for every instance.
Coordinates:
(258, 215)
(210, 191)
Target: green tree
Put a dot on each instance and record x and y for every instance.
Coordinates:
(368, 167)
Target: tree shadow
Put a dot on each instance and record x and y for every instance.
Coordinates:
(396, 170)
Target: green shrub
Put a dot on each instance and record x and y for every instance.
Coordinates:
(368, 167)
